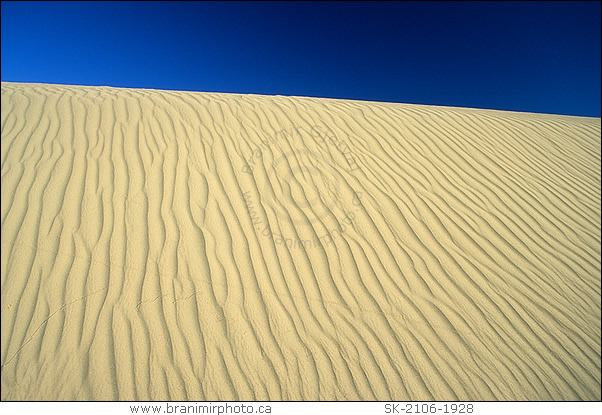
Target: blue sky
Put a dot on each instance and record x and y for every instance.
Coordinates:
(520, 56)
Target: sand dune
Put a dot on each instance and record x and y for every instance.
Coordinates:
(161, 245)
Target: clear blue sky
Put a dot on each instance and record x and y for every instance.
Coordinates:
(520, 56)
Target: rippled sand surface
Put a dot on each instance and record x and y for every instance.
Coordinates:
(163, 245)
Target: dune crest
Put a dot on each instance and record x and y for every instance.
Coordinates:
(163, 245)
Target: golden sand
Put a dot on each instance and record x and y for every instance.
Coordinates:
(162, 245)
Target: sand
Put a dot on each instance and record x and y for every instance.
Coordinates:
(163, 245)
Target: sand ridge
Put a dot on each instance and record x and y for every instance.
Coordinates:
(166, 245)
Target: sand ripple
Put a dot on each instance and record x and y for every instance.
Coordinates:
(161, 245)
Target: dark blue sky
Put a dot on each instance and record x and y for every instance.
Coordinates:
(520, 56)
